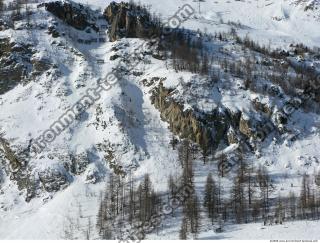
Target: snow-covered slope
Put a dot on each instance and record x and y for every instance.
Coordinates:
(125, 129)
(123, 121)
(277, 23)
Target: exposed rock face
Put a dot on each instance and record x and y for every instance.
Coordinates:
(263, 107)
(79, 163)
(53, 181)
(232, 136)
(246, 126)
(25, 182)
(4, 46)
(128, 20)
(252, 127)
(15, 164)
(14, 60)
(41, 65)
(74, 16)
(207, 130)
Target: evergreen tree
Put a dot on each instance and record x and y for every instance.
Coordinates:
(280, 211)
(304, 196)
(210, 197)
(184, 229)
(186, 160)
(266, 189)
(193, 214)
(238, 199)
(292, 205)
(2, 7)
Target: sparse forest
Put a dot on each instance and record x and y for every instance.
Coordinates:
(168, 141)
(189, 52)
(133, 211)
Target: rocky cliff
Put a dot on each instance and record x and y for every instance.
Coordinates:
(207, 130)
(129, 20)
(74, 15)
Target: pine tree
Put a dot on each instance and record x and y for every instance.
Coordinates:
(237, 194)
(266, 188)
(304, 196)
(250, 185)
(219, 196)
(210, 197)
(193, 212)
(317, 179)
(256, 206)
(100, 216)
(241, 187)
(132, 201)
(172, 186)
(279, 212)
(28, 12)
(292, 205)
(88, 231)
(2, 7)
(184, 229)
(148, 200)
(186, 160)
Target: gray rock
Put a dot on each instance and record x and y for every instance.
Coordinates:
(71, 14)
(53, 180)
(128, 20)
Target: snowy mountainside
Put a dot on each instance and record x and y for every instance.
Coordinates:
(131, 132)
(277, 23)
(130, 128)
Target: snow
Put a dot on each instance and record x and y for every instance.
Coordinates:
(305, 230)
(138, 135)
(140, 139)
(290, 231)
(278, 23)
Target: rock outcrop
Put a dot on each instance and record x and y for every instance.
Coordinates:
(74, 15)
(14, 60)
(53, 180)
(14, 163)
(210, 129)
(128, 20)
(33, 182)
(40, 65)
(79, 163)
(207, 130)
